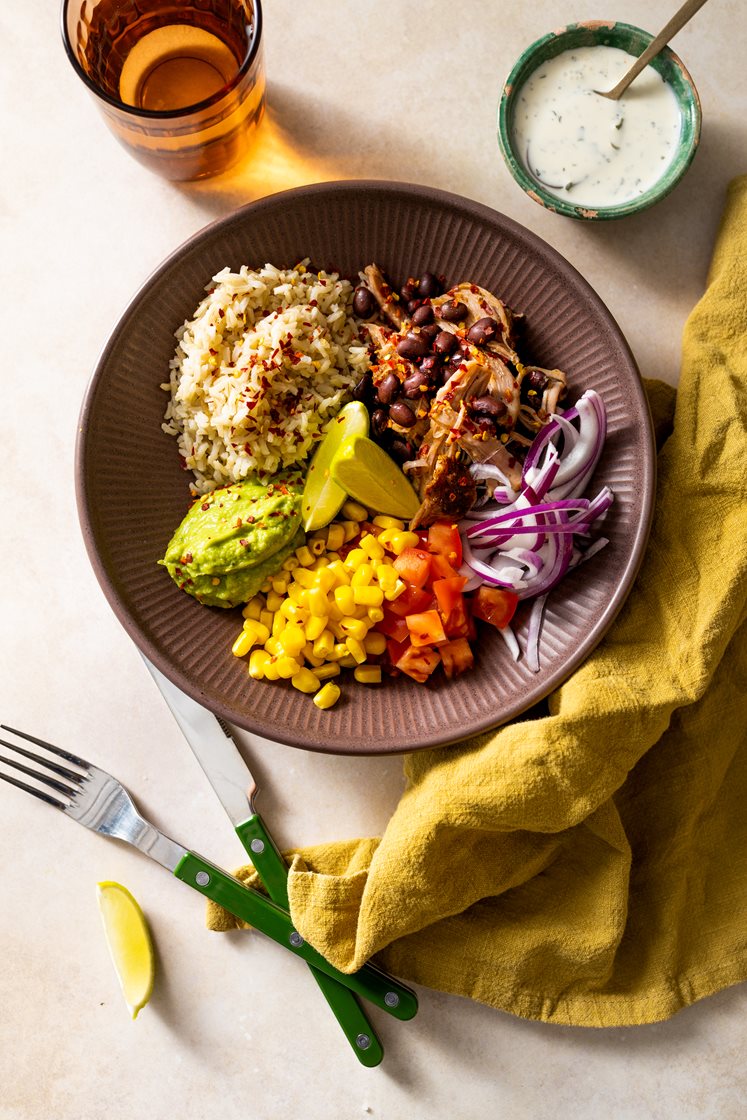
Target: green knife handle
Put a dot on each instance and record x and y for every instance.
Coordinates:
(369, 982)
(273, 871)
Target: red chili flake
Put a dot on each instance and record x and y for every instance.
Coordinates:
(213, 352)
(205, 505)
(187, 558)
(313, 303)
(238, 523)
(250, 519)
(221, 312)
(244, 543)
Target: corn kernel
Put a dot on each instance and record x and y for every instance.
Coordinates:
(352, 529)
(305, 681)
(344, 599)
(386, 536)
(334, 612)
(347, 662)
(254, 608)
(259, 659)
(266, 586)
(327, 669)
(317, 545)
(315, 626)
(371, 547)
(401, 541)
(266, 618)
(362, 575)
(324, 644)
(319, 563)
(317, 602)
(368, 596)
(368, 674)
(310, 657)
(325, 579)
(292, 639)
(355, 557)
(290, 564)
(354, 628)
(287, 667)
(339, 650)
(387, 576)
(337, 630)
(353, 511)
(272, 645)
(395, 591)
(303, 578)
(356, 649)
(327, 696)
(279, 623)
(280, 584)
(385, 522)
(375, 614)
(271, 670)
(337, 570)
(335, 536)
(374, 642)
(274, 599)
(292, 612)
(242, 645)
(304, 556)
(259, 632)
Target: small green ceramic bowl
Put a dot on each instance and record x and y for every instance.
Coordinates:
(634, 41)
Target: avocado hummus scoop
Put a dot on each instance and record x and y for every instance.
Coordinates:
(234, 538)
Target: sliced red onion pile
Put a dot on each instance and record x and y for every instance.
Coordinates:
(526, 542)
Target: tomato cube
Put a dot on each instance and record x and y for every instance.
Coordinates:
(412, 600)
(414, 566)
(494, 605)
(393, 625)
(444, 539)
(457, 657)
(418, 662)
(441, 568)
(426, 628)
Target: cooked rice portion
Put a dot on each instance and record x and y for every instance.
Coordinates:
(269, 357)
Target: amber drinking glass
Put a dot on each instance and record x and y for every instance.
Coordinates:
(180, 83)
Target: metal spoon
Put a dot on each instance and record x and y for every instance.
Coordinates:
(678, 21)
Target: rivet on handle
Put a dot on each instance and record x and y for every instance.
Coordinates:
(391, 999)
(257, 846)
(295, 939)
(363, 1042)
(202, 878)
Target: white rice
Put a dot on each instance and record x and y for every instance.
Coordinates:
(269, 357)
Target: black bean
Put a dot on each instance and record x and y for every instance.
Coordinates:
(413, 305)
(379, 421)
(430, 365)
(412, 346)
(484, 330)
(445, 342)
(401, 450)
(409, 290)
(453, 311)
(364, 389)
(416, 384)
(402, 414)
(423, 315)
(364, 302)
(535, 380)
(388, 388)
(430, 285)
(487, 405)
(429, 332)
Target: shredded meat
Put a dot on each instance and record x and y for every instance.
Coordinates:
(450, 491)
(387, 300)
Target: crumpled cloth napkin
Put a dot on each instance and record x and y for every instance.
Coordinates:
(589, 867)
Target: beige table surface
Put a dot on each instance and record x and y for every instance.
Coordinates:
(390, 90)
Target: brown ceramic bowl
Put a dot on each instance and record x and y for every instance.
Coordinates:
(132, 493)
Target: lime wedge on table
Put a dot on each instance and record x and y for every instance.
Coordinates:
(129, 943)
(322, 497)
(366, 473)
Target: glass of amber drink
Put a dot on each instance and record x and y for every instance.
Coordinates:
(180, 83)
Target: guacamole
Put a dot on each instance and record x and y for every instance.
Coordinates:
(232, 539)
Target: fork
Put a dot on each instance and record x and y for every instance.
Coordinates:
(97, 800)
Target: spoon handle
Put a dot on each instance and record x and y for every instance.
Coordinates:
(678, 21)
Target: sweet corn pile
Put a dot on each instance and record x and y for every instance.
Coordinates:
(317, 615)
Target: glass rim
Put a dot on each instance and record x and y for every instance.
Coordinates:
(169, 114)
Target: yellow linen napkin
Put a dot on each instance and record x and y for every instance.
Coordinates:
(589, 867)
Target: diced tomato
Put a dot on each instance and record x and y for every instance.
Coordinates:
(413, 565)
(441, 568)
(412, 600)
(395, 650)
(426, 628)
(444, 539)
(448, 593)
(457, 657)
(393, 625)
(494, 605)
(418, 662)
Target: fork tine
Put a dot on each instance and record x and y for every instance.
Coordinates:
(48, 746)
(36, 792)
(55, 767)
(45, 779)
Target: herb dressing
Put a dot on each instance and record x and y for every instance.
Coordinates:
(585, 148)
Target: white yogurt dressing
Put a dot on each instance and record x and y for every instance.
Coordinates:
(585, 148)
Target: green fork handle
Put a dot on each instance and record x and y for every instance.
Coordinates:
(244, 902)
(273, 871)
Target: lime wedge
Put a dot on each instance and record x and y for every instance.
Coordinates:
(322, 497)
(366, 473)
(129, 943)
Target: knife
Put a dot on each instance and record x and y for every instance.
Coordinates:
(214, 747)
